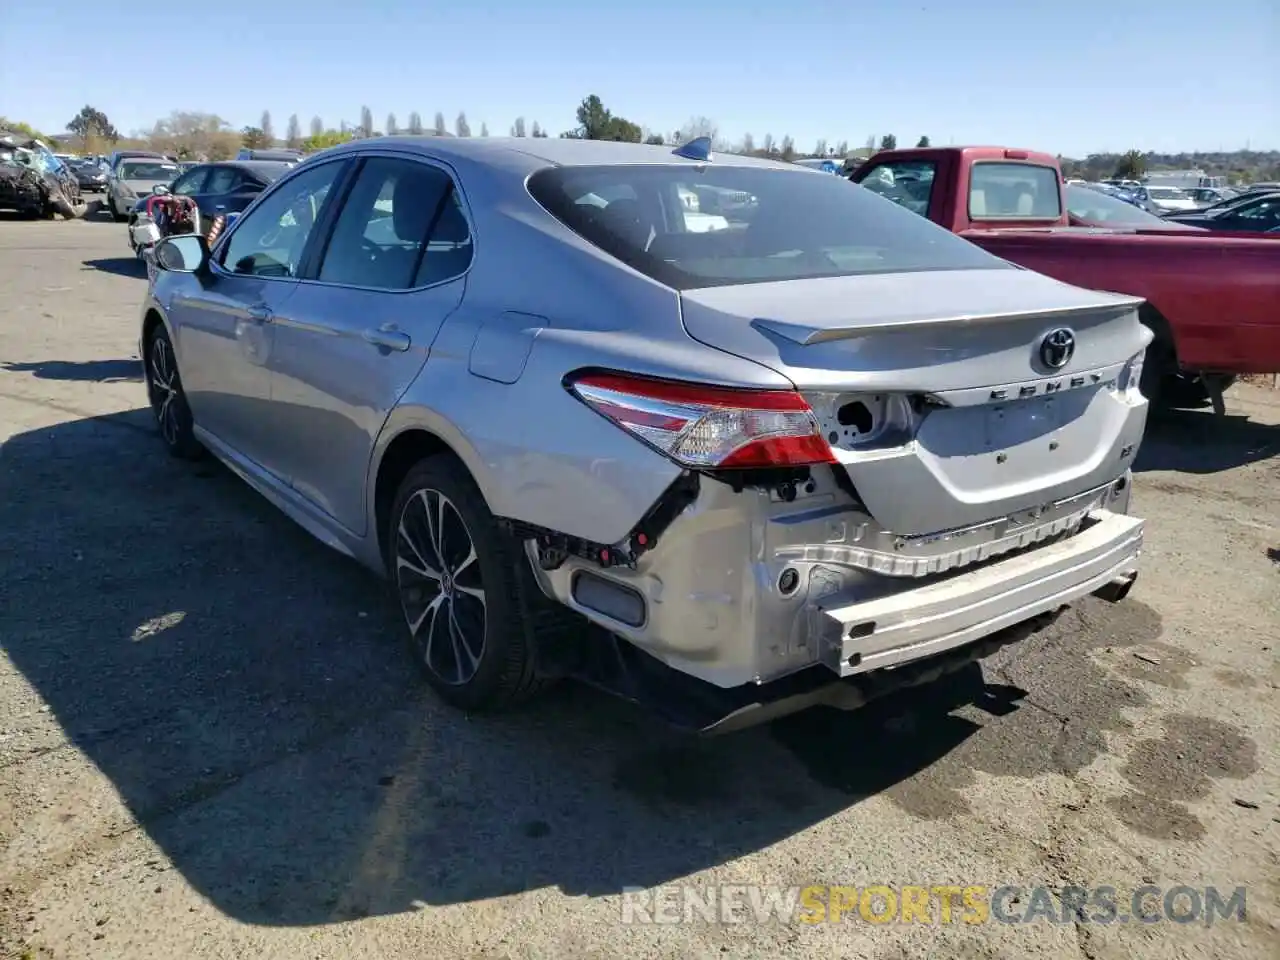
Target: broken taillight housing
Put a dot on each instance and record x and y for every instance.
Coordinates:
(707, 427)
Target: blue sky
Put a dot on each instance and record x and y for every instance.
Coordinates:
(1074, 78)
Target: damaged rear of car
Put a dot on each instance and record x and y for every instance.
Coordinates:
(777, 440)
(946, 468)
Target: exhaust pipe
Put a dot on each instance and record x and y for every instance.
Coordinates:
(1117, 589)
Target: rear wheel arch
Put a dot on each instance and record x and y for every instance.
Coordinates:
(409, 447)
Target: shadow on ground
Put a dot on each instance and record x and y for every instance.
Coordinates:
(120, 266)
(1196, 441)
(101, 371)
(245, 691)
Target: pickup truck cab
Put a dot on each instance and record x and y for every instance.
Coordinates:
(1212, 299)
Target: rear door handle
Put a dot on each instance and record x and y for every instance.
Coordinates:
(388, 337)
(261, 312)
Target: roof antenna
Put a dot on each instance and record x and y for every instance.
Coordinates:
(699, 148)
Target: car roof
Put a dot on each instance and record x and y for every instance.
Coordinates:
(535, 152)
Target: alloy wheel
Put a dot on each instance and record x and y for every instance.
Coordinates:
(164, 387)
(440, 585)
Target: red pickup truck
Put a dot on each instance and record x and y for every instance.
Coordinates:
(1213, 300)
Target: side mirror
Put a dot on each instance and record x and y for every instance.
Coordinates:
(185, 253)
(159, 190)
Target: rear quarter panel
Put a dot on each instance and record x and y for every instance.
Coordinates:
(1221, 296)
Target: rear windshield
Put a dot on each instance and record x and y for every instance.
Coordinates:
(691, 227)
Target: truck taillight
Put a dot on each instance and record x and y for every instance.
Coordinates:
(708, 427)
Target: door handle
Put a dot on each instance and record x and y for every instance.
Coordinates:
(261, 312)
(220, 206)
(388, 337)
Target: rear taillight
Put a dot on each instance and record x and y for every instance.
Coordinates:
(709, 427)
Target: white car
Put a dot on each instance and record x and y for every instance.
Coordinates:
(1169, 200)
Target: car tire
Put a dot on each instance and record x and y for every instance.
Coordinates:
(464, 588)
(169, 404)
(116, 215)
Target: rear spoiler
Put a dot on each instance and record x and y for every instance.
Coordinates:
(806, 335)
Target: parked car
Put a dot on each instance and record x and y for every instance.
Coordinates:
(91, 177)
(1164, 200)
(1204, 197)
(278, 155)
(216, 188)
(114, 158)
(723, 472)
(1097, 208)
(1211, 299)
(1254, 213)
(134, 177)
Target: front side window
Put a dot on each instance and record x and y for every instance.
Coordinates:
(222, 180)
(400, 227)
(689, 226)
(270, 240)
(908, 183)
(1013, 191)
(190, 183)
(1263, 212)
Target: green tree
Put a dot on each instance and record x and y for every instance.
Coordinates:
(254, 138)
(842, 149)
(461, 127)
(366, 122)
(268, 131)
(1131, 166)
(392, 127)
(788, 150)
(517, 128)
(484, 129)
(91, 122)
(293, 133)
(317, 126)
(888, 142)
(415, 123)
(922, 142)
(440, 127)
(326, 138)
(655, 139)
(820, 148)
(537, 131)
(595, 122)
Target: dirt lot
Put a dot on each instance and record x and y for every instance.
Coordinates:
(212, 745)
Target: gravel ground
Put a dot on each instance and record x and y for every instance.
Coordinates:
(212, 745)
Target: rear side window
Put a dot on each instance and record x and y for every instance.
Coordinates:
(1013, 191)
(689, 226)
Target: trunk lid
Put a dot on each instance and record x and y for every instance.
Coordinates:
(938, 391)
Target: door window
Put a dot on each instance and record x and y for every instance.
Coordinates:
(270, 240)
(908, 183)
(222, 180)
(381, 238)
(191, 182)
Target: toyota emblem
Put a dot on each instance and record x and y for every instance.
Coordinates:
(1057, 348)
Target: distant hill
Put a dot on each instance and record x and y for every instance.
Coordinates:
(1239, 166)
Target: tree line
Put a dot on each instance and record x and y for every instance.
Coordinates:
(192, 135)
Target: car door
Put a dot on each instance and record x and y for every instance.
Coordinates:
(225, 322)
(362, 321)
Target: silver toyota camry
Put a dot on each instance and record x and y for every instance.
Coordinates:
(727, 436)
